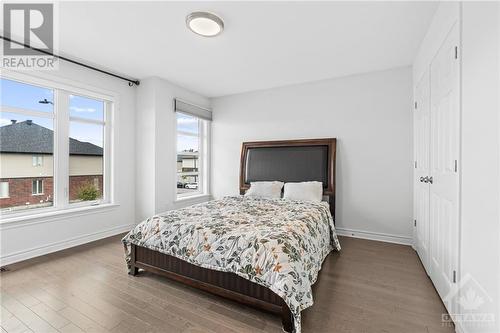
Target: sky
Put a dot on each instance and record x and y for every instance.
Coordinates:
(24, 96)
(187, 124)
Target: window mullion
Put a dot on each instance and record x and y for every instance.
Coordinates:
(108, 195)
(199, 161)
(87, 121)
(185, 133)
(27, 112)
(207, 154)
(61, 149)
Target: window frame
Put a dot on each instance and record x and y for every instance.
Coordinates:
(204, 127)
(39, 187)
(37, 160)
(62, 88)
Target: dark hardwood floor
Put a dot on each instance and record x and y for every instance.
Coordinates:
(368, 287)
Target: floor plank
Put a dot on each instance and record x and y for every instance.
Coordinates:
(81, 321)
(26, 315)
(71, 328)
(50, 316)
(10, 323)
(367, 287)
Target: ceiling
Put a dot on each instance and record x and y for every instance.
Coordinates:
(264, 44)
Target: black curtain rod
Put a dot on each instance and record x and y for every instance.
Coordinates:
(131, 82)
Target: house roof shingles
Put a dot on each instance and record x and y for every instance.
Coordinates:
(30, 138)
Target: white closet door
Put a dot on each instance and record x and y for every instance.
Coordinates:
(444, 147)
(422, 165)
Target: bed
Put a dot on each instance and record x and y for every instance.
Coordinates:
(265, 253)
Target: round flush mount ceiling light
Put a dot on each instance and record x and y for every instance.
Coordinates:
(205, 24)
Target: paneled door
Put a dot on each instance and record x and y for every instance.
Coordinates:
(422, 167)
(444, 157)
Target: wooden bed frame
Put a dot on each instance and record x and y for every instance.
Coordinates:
(226, 284)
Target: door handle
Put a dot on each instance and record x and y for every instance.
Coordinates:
(424, 179)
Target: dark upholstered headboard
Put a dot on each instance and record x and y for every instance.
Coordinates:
(290, 161)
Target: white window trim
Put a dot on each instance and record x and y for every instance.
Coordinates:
(204, 131)
(42, 215)
(62, 86)
(194, 197)
(28, 112)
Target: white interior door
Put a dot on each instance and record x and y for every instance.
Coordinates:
(422, 168)
(444, 149)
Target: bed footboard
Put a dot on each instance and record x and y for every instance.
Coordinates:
(225, 284)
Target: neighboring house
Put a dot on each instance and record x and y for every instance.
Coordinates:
(187, 167)
(27, 165)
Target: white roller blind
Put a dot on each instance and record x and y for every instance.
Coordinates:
(191, 109)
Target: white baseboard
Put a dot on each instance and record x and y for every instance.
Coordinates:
(376, 236)
(12, 258)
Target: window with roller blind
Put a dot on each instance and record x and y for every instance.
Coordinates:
(192, 142)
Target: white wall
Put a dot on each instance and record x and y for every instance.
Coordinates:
(369, 114)
(145, 143)
(156, 151)
(480, 252)
(36, 236)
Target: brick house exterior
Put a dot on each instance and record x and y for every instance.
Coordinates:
(26, 155)
(23, 189)
(77, 182)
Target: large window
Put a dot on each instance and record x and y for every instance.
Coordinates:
(54, 146)
(191, 155)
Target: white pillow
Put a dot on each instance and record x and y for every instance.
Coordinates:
(265, 189)
(305, 191)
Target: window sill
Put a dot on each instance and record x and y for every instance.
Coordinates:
(194, 197)
(39, 217)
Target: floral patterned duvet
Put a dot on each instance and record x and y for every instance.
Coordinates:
(277, 243)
